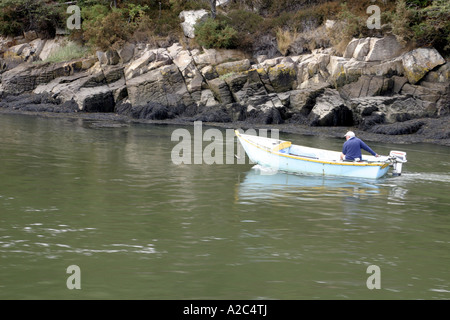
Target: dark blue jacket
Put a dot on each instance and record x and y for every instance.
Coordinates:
(352, 148)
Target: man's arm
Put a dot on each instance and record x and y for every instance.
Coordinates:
(367, 148)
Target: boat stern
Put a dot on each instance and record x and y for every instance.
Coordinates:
(397, 158)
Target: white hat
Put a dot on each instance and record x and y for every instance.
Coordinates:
(350, 134)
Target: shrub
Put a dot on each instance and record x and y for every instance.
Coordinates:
(179, 5)
(213, 33)
(401, 21)
(418, 3)
(428, 26)
(248, 24)
(276, 7)
(17, 16)
(245, 21)
(134, 20)
(94, 13)
(354, 25)
(9, 26)
(106, 31)
(436, 31)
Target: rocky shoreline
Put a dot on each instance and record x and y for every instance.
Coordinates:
(377, 87)
(433, 131)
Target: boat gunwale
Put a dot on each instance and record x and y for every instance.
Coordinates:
(382, 165)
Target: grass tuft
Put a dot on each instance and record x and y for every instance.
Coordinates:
(68, 52)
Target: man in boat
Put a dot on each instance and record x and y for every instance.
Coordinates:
(352, 148)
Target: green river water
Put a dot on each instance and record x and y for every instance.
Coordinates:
(111, 201)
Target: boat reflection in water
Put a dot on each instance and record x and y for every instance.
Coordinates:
(262, 183)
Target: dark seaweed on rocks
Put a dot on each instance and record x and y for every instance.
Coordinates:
(398, 128)
(37, 103)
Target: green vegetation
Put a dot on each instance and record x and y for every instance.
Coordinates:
(416, 23)
(423, 23)
(106, 29)
(18, 16)
(244, 24)
(214, 33)
(70, 51)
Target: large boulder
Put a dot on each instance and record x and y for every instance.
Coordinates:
(245, 85)
(369, 111)
(313, 68)
(149, 59)
(209, 73)
(126, 53)
(135, 67)
(165, 86)
(220, 90)
(373, 49)
(330, 110)
(440, 75)
(368, 86)
(190, 18)
(397, 108)
(435, 96)
(233, 67)
(407, 108)
(264, 109)
(350, 49)
(431, 92)
(109, 57)
(301, 101)
(337, 68)
(207, 98)
(419, 62)
(384, 49)
(362, 49)
(385, 68)
(236, 83)
(98, 99)
(282, 77)
(185, 62)
(211, 57)
(344, 71)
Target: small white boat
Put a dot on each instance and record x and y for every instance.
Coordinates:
(284, 156)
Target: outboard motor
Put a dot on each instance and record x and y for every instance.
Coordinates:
(397, 158)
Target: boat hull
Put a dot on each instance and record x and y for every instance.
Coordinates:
(297, 164)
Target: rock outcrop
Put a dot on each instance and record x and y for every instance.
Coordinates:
(374, 83)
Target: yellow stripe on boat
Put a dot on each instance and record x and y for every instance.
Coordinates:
(281, 146)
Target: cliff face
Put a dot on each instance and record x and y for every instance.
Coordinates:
(373, 86)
